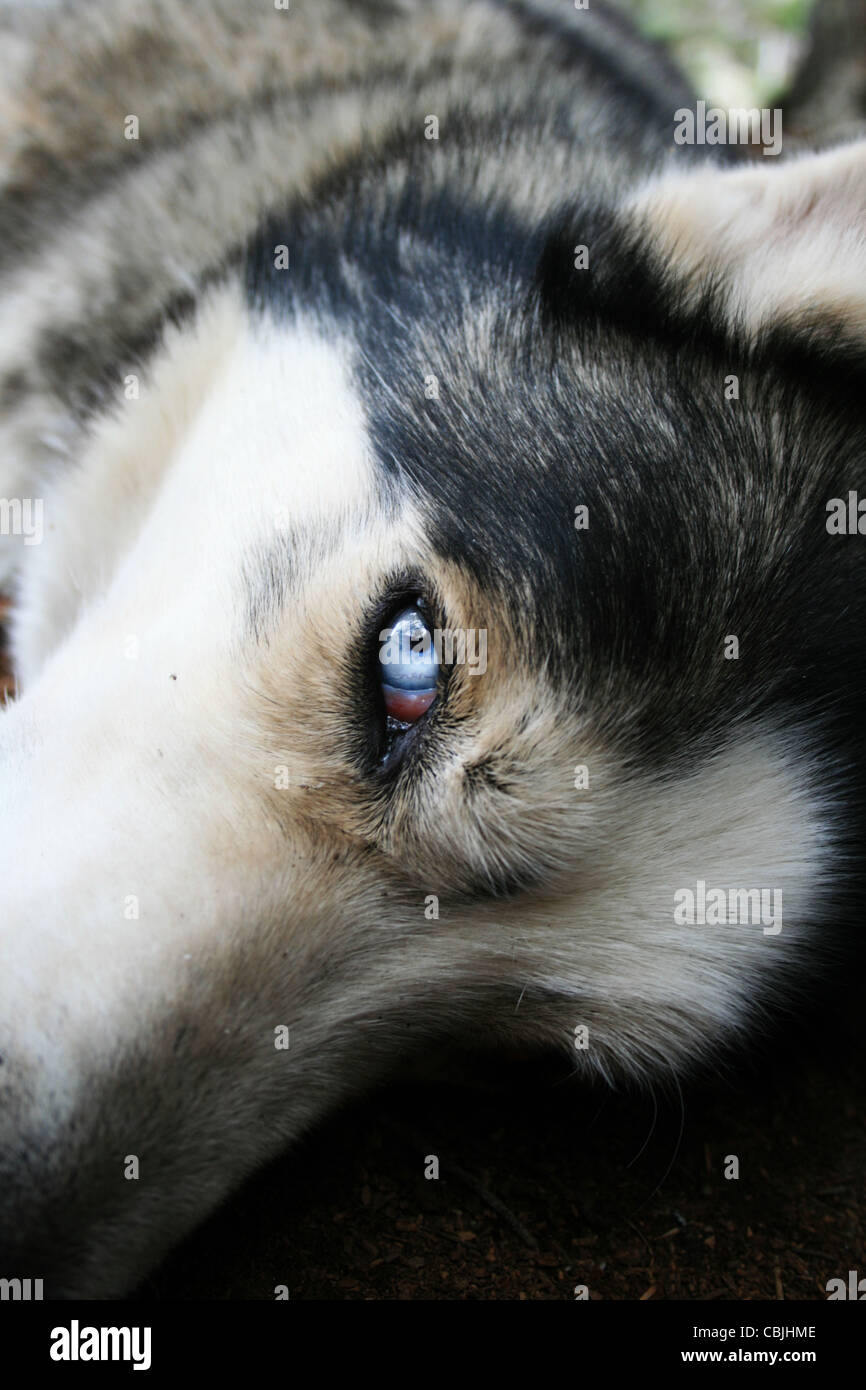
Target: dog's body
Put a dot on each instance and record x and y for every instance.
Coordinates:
(290, 360)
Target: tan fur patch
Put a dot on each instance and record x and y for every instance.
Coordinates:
(785, 243)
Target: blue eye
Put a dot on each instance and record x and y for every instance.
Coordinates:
(409, 666)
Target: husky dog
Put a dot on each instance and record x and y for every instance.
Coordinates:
(430, 499)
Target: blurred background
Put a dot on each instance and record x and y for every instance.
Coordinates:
(736, 52)
(808, 56)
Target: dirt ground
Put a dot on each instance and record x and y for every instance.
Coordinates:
(545, 1185)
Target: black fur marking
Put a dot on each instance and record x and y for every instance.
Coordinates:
(599, 389)
(593, 390)
(628, 285)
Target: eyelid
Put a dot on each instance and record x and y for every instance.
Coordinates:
(407, 706)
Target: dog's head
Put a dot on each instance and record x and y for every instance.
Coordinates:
(423, 626)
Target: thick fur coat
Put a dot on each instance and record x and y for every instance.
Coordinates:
(310, 314)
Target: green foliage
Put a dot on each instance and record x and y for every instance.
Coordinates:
(736, 52)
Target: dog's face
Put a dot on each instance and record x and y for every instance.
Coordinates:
(235, 890)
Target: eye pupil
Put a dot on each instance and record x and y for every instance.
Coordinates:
(409, 667)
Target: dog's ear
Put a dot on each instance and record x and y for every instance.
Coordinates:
(777, 247)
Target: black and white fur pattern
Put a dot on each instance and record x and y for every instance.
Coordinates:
(222, 548)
